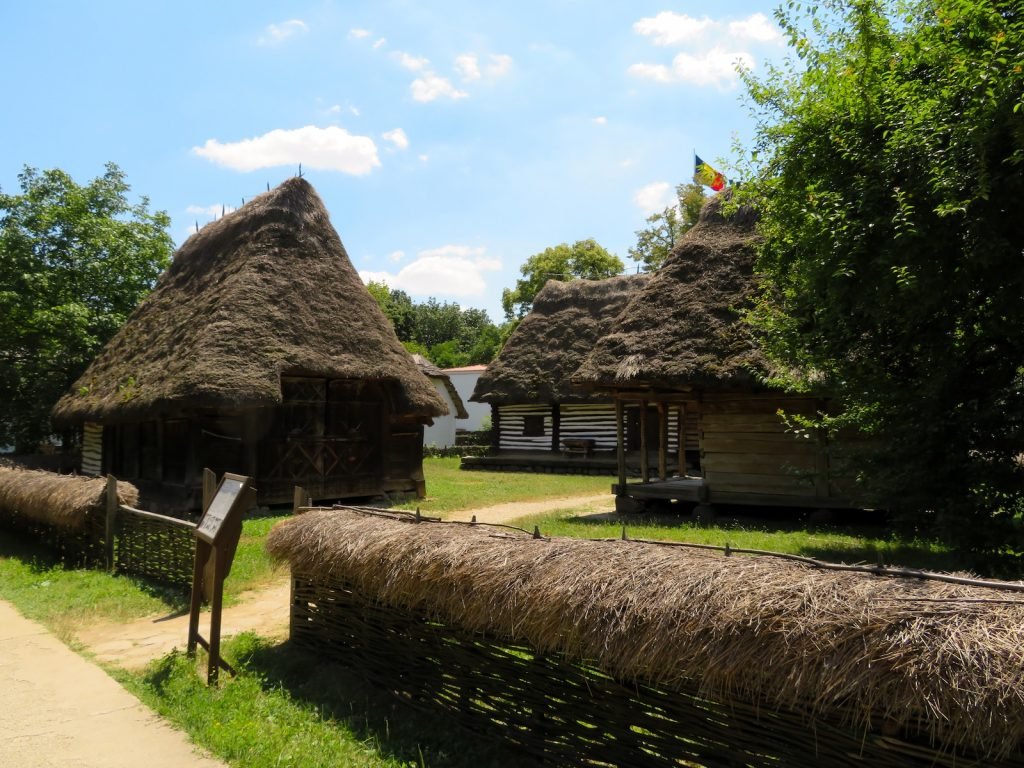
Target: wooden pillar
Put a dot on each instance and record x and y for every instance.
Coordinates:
(681, 440)
(620, 445)
(495, 427)
(663, 441)
(644, 468)
(111, 522)
(556, 427)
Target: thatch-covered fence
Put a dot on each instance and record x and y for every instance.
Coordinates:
(91, 521)
(633, 654)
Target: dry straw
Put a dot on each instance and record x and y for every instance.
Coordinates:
(62, 501)
(920, 658)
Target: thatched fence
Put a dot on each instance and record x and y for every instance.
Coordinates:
(632, 654)
(91, 521)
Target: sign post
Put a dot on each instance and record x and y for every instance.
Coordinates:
(217, 538)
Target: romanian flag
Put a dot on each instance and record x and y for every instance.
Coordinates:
(706, 175)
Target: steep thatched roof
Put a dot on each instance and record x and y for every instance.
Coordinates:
(683, 329)
(431, 371)
(922, 658)
(62, 501)
(264, 291)
(567, 320)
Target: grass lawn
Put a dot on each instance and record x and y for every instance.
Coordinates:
(450, 489)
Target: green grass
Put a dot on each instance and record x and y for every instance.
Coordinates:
(288, 708)
(450, 489)
(833, 543)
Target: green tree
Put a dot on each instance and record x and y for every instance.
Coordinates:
(584, 258)
(398, 307)
(664, 229)
(891, 194)
(74, 262)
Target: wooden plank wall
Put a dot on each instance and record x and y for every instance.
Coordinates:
(594, 421)
(746, 448)
(92, 449)
(511, 428)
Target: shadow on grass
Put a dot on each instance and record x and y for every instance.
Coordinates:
(413, 736)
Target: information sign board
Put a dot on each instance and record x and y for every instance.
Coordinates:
(228, 494)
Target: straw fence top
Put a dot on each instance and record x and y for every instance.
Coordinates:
(63, 501)
(683, 328)
(936, 660)
(566, 321)
(265, 291)
(432, 372)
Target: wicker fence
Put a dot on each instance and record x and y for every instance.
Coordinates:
(565, 712)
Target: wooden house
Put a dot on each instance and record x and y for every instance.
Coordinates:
(537, 413)
(681, 348)
(441, 434)
(260, 352)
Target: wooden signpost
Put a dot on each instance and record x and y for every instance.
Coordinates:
(217, 538)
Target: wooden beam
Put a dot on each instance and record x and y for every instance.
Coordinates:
(662, 442)
(681, 440)
(556, 427)
(620, 446)
(644, 468)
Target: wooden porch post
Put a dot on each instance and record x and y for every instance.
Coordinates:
(556, 427)
(681, 440)
(644, 468)
(662, 441)
(620, 445)
(495, 428)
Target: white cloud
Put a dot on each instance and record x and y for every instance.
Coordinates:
(468, 67)
(431, 86)
(716, 67)
(379, 42)
(329, 149)
(714, 48)
(757, 27)
(499, 65)
(410, 62)
(654, 197)
(451, 270)
(357, 33)
(600, 120)
(209, 211)
(396, 137)
(424, 158)
(278, 33)
(668, 28)
(397, 256)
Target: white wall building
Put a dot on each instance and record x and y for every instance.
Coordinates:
(464, 379)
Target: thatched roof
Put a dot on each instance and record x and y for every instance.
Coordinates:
(567, 320)
(62, 501)
(921, 658)
(264, 291)
(431, 371)
(683, 328)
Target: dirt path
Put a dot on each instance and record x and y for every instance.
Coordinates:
(265, 611)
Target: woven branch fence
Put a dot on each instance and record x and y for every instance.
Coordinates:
(90, 522)
(497, 631)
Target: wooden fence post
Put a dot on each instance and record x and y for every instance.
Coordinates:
(298, 499)
(111, 522)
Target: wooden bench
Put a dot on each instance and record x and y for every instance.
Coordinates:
(578, 447)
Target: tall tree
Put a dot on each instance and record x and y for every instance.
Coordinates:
(74, 262)
(664, 229)
(891, 197)
(584, 258)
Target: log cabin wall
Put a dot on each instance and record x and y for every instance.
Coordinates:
(749, 455)
(593, 421)
(524, 427)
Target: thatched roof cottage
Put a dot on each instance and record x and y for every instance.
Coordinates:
(261, 352)
(534, 405)
(681, 344)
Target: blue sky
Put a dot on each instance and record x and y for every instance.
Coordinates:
(450, 141)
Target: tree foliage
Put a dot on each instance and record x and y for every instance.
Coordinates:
(443, 332)
(74, 262)
(664, 229)
(584, 258)
(891, 194)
